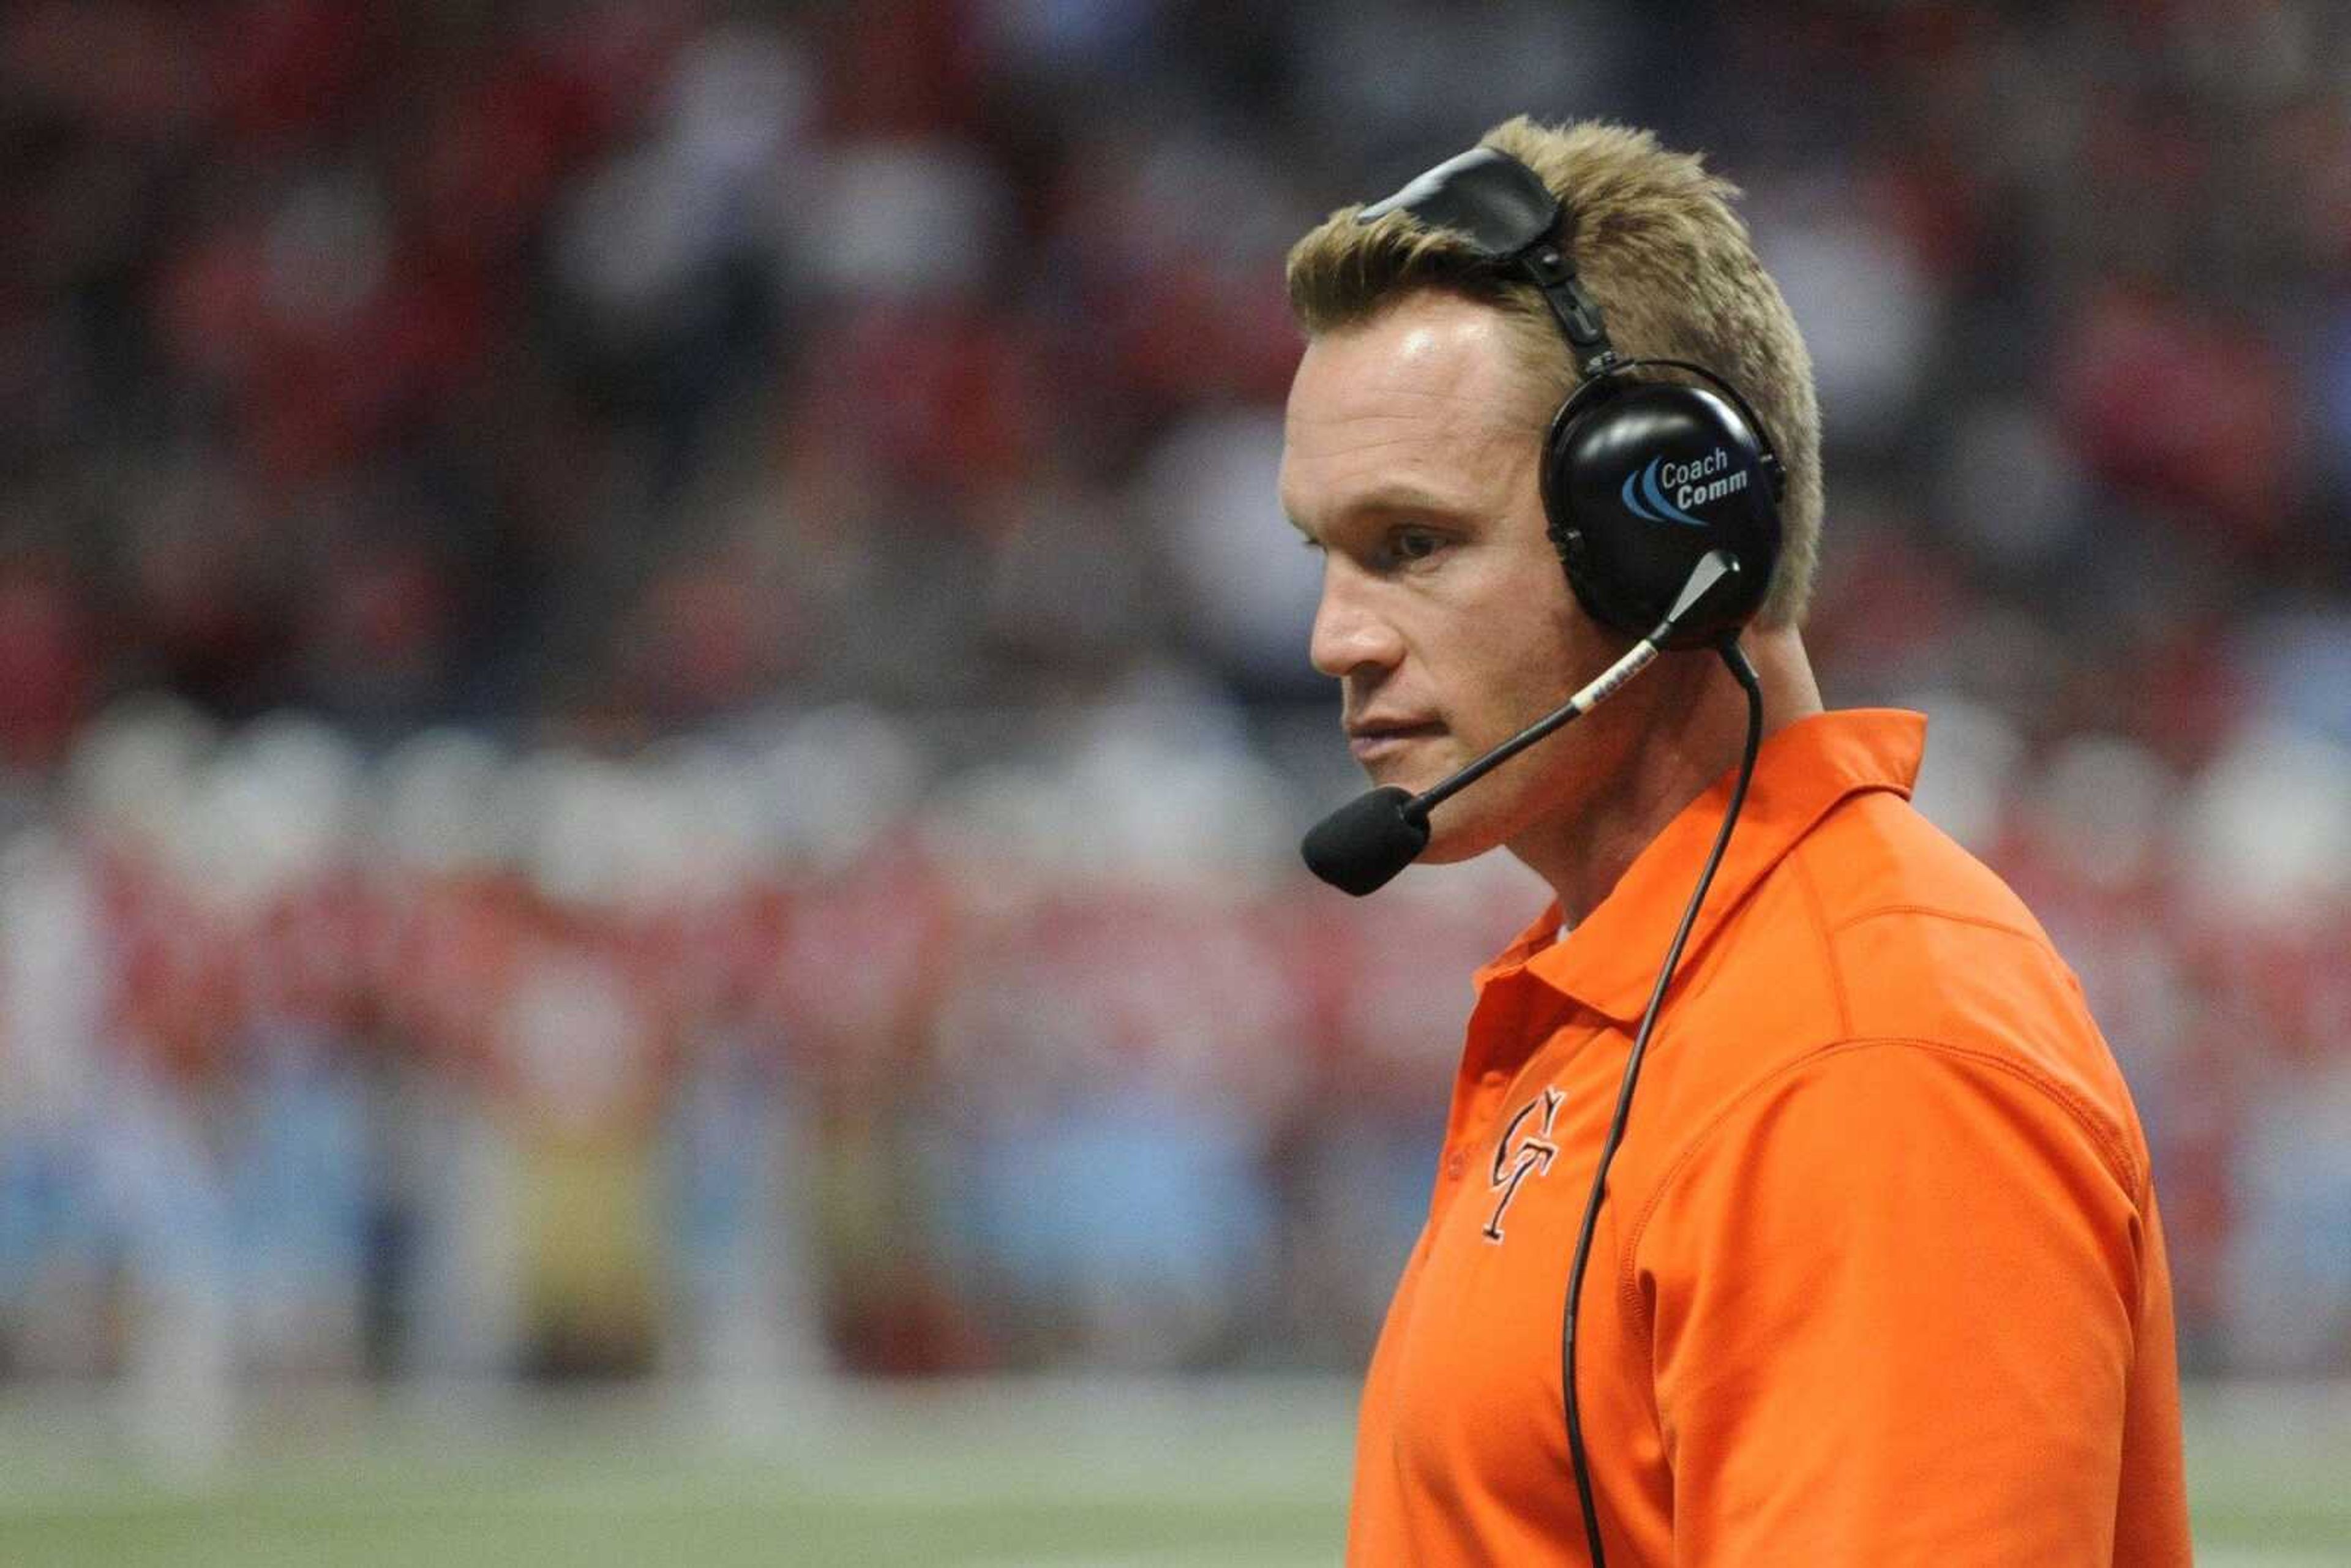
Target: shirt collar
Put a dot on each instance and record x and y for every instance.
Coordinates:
(1610, 961)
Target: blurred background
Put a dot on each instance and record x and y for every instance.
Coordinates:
(653, 716)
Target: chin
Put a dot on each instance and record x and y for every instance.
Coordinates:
(1453, 839)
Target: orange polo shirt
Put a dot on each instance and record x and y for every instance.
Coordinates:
(1880, 1279)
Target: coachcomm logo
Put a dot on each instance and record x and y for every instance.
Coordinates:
(1694, 484)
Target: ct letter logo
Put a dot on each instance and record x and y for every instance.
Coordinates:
(1521, 1152)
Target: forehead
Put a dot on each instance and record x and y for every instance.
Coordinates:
(1426, 394)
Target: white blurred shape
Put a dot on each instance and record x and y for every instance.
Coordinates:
(52, 978)
(2267, 833)
(738, 99)
(441, 808)
(2103, 807)
(651, 833)
(1174, 796)
(133, 774)
(1158, 789)
(1970, 772)
(838, 778)
(574, 1033)
(635, 234)
(1867, 315)
(1003, 829)
(906, 219)
(585, 824)
(1249, 588)
(720, 826)
(324, 255)
(274, 806)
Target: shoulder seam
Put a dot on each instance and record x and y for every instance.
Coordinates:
(2117, 1156)
(1933, 912)
(1800, 864)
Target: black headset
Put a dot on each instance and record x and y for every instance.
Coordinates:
(1640, 478)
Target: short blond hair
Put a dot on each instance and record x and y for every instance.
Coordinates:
(1661, 252)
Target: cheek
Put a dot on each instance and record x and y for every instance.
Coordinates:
(1535, 653)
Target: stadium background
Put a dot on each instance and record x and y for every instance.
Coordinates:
(653, 717)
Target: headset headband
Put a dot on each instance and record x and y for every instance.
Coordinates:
(1510, 219)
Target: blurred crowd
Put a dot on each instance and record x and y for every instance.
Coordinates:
(653, 704)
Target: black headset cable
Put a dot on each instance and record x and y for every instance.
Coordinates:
(1744, 673)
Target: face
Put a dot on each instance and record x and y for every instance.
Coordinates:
(1409, 462)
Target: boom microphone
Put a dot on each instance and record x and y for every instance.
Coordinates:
(1360, 847)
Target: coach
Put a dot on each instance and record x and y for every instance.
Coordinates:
(1876, 1274)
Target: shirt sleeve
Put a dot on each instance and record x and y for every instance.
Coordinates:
(1893, 1300)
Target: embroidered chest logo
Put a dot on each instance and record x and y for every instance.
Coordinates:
(1525, 1149)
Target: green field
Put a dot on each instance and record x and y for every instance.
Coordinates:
(1155, 1475)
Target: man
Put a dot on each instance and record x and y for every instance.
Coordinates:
(1878, 1276)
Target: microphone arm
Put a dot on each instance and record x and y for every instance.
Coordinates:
(1636, 659)
(1362, 845)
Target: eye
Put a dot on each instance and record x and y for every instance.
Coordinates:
(1415, 544)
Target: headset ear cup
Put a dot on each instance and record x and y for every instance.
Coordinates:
(1639, 482)
(1568, 532)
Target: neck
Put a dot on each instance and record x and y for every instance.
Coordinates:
(1687, 736)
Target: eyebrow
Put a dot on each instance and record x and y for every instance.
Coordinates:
(1397, 497)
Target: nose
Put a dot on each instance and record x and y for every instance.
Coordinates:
(1350, 633)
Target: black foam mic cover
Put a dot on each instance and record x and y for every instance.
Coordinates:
(1363, 844)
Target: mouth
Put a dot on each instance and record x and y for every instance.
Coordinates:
(1373, 740)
